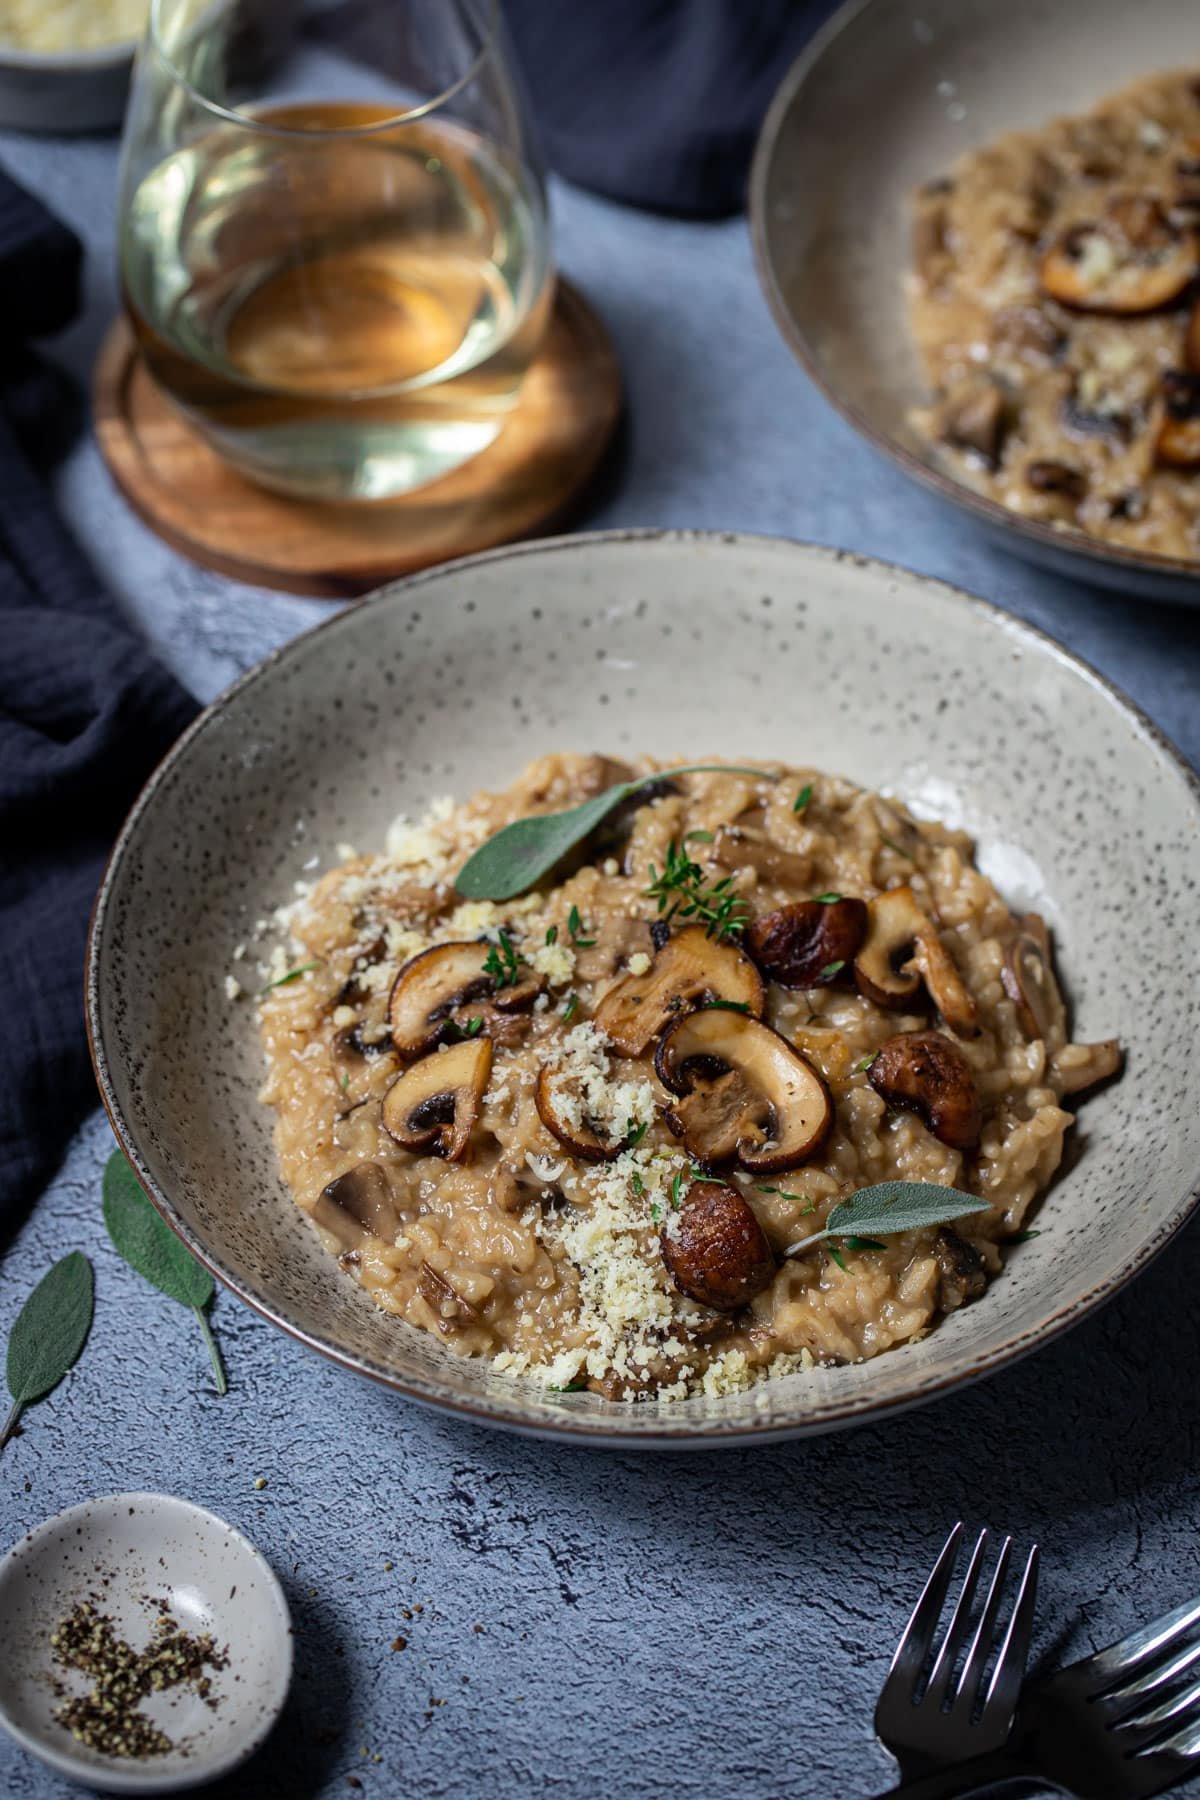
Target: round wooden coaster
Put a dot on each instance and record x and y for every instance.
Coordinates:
(524, 482)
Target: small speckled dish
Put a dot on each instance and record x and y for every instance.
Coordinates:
(680, 645)
(115, 1551)
(887, 96)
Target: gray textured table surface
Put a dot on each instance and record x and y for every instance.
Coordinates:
(593, 1624)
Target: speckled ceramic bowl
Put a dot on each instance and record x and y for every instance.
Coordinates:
(886, 96)
(673, 644)
(122, 1553)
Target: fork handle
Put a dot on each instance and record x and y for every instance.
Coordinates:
(999, 1772)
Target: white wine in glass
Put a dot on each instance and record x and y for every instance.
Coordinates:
(343, 279)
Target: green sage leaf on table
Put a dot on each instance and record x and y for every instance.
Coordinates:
(48, 1335)
(520, 854)
(888, 1208)
(149, 1246)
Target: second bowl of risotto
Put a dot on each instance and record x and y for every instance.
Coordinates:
(629, 1021)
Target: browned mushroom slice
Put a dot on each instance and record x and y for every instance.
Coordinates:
(1046, 477)
(974, 418)
(358, 1204)
(902, 948)
(445, 1302)
(434, 982)
(808, 943)
(690, 968)
(1029, 982)
(962, 1273)
(1134, 260)
(561, 1110)
(1178, 441)
(434, 1104)
(715, 1248)
(927, 1073)
(747, 847)
(1191, 341)
(743, 1093)
(1076, 1073)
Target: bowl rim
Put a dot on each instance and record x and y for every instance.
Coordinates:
(562, 1422)
(988, 512)
(90, 60)
(145, 1778)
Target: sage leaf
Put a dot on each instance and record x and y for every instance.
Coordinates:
(519, 855)
(48, 1335)
(890, 1207)
(151, 1248)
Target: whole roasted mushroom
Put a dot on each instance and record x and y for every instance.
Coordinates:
(925, 1072)
(433, 1106)
(356, 1205)
(742, 1093)
(690, 969)
(1133, 260)
(902, 949)
(432, 984)
(808, 943)
(715, 1248)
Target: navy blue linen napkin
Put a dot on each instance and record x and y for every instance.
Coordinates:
(85, 713)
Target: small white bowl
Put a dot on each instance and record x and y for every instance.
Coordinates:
(65, 91)
(120, 1548)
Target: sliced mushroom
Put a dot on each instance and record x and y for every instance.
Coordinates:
(356, 1205)
(1029, 982)
(1076, 1073)
(447, 1305)
(715, 1248)
(901, 950)
(1086, 419)
(808, 943)
(1046, 477)
(742, 1092)
(434, 1104)
(1191, 341)
(1178, 440)
(434, 982)
(963, 1274)
(351, 1046)
(974, 418)
(1134, 260)
(926, 1073)
(561, 1111)
(691, 968)
(747, 847)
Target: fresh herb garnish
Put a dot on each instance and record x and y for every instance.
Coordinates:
(344, 1083)
(639, 1186)
(697, 837)
(898, 848)
(680, 892)
(1022, 1237)
(726, 1006)
(575, 926)
(520, 854)
(808, 1206)
(656, 1211)
(839, 1259)
(864, 1063)
(831, 969)
(570, 1387)
(469, 1028)
(292, 975)
(892, 1206)
(571, 1008)
(827, 899)
(150, 1247)
(676, 1189)
(503, 962)
(634, 1133)
(48, 1335)
(802, 798)
(552, 934)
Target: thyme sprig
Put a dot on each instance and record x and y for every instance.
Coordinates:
(680, 892)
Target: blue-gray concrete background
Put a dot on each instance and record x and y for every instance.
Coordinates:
(601, 1625)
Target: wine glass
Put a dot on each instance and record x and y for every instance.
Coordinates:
(333, 245)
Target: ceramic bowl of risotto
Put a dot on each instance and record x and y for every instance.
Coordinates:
(936, 248)
(551, 1000)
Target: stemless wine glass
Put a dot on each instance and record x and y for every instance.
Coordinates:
(334, 247)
